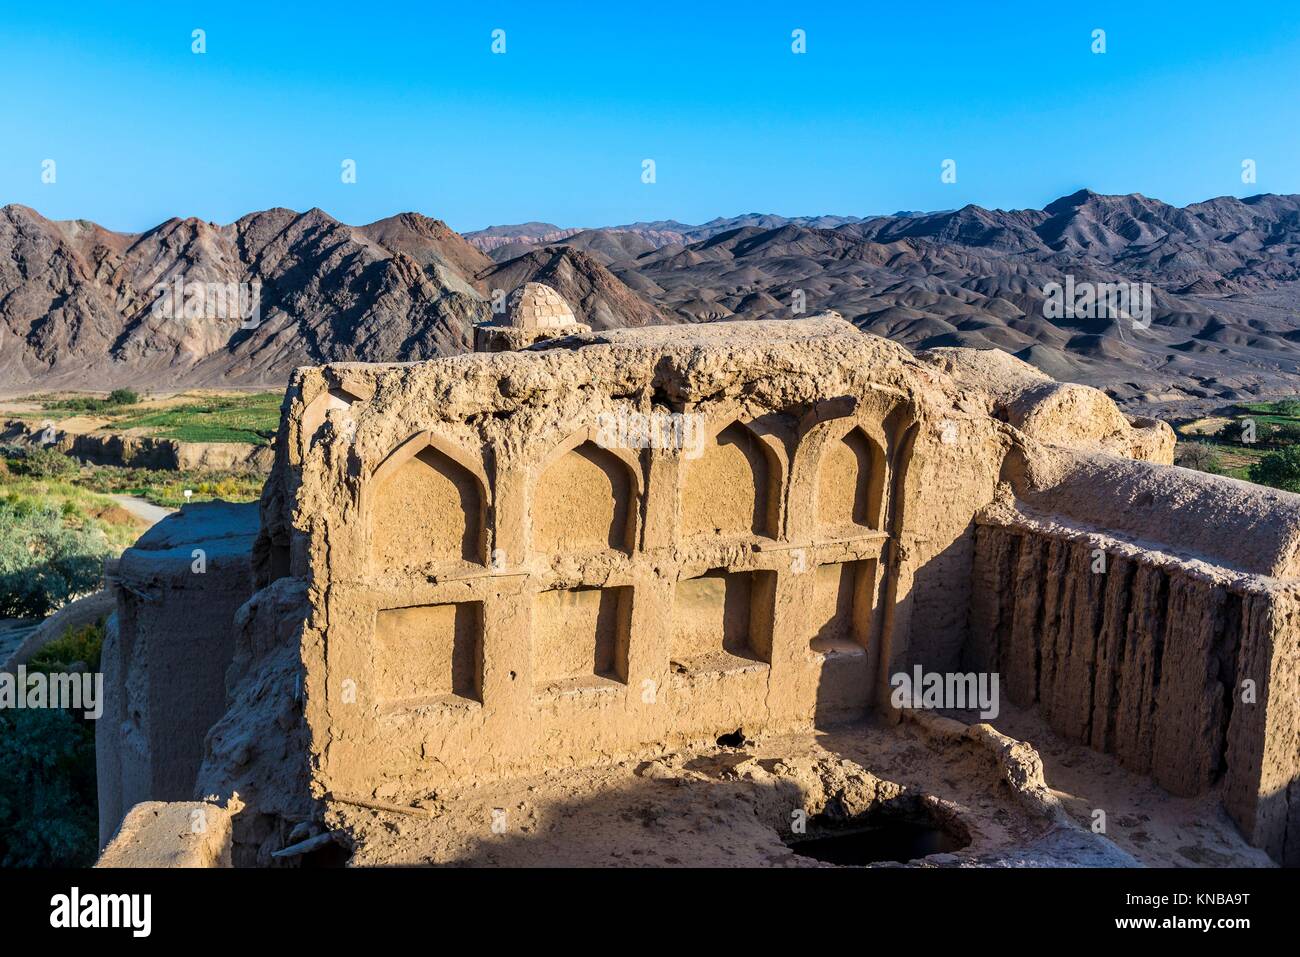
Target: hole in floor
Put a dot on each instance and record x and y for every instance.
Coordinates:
(902, 831)
(733, 739)
(330, 856)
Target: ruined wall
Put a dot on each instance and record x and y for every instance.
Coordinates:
(475, 566)
(495, 585)
(1177, 650)
(255, 755)
(165, 655)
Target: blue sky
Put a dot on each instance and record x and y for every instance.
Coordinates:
(556, 129)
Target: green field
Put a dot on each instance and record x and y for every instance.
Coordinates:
(250, 418)
(1216, 444)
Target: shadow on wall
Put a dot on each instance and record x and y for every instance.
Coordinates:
(1282, 804)
(855, 633)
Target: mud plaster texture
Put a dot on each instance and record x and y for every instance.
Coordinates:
(731, 807)
(171, 834)
(462, 516)
(462, 580)
(165, 654)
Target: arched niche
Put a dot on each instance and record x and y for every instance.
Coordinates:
(426, 508)
(585, 500)
(313, 416)
(851, 482)
(733, 488)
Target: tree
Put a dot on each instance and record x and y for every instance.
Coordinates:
(44, 563)
(1231, 432)
(1198, 455)
(123, 397)
(1282, 433)
(46, 463)
(47, 789)
(1280, 469)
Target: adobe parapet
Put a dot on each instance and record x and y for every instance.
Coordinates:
(635, 538)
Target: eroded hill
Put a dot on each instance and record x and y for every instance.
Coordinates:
(78, 303)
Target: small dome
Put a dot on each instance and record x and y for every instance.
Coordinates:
(534, 306)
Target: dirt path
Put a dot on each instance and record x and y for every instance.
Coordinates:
(151, 513)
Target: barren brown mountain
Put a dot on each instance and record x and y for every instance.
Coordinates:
(76, 300)
(1225, 278)
(599, 298)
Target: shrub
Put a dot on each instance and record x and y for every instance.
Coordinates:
(1273, 434)
(48, 804)
(1231, 431)
(47, 789)
(1279, 469)
(44, 563)
(45, 462)
(123, 397)
(1198, 455)
(1282, 433)
(83, 644)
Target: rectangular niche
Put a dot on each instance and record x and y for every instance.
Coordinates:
(842, 607)
(580, 637)
(723, 620)
(429, 653)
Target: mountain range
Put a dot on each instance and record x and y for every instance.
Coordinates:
(77, 301)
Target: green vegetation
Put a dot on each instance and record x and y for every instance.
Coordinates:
(84, 645)
(1198, 455)
(167, 488)
(81, 404)
(53, 541)
(1279, 469)
(247, 418)
(48, 805)
(1226, 451)
(57, 525)
(47, 789)
(43, 462)
(56, 529)
(23, 469)
(1283, 410)
(77, 506)
(1270, 432)
(251, 418)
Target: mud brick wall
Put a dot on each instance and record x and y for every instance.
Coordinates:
(1148, 660)
(166, 652)
(496, 589)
